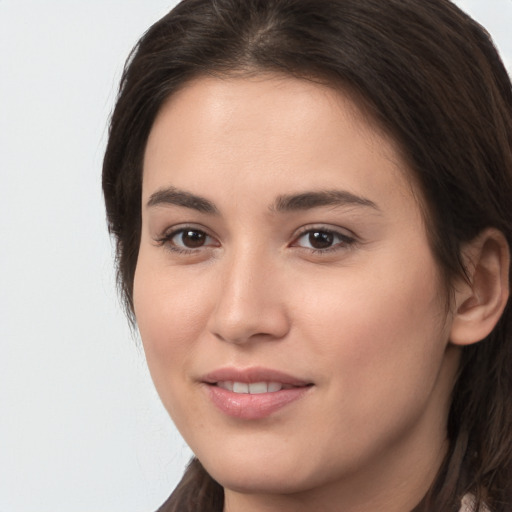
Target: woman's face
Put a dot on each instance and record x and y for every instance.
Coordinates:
(289, 304)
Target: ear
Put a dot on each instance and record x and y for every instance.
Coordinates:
(480, 302)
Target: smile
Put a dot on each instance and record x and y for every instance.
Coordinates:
(253, 388)
(253, 393)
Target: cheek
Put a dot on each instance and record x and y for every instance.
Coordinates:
(379, 342)
(171, 312)
(381, 329)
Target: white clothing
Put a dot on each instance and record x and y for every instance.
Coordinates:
(468, 504)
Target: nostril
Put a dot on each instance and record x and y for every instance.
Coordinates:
(249, 327)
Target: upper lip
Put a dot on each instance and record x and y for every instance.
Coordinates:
(251, 375)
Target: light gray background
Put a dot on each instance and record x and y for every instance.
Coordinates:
(81, 428)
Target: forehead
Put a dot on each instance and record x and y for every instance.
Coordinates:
(266, 127)
(257, 101)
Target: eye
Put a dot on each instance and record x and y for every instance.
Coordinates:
(322, 240)
(187, 239)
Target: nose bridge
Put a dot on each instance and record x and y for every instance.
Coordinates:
(249, 304)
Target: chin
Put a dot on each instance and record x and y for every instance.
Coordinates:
(256, 475)
(260, 482)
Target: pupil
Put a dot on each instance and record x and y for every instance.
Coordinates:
(321, 239)
(193, 239)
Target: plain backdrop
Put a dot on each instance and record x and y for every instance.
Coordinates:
(81, 428)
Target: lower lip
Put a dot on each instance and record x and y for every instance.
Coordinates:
(253, 407)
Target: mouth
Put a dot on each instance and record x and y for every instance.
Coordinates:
(253, 393)
(253, 388)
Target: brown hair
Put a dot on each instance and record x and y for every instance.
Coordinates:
(432, 78)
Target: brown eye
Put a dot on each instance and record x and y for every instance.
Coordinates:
(190, 238)
(187, 240)
(323, 240)
(320, 239)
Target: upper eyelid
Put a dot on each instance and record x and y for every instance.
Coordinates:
(348, 240)
(165, 240)
(176, 228)
(337, 230)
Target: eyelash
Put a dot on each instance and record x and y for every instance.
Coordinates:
(166, 240)
(344, 241)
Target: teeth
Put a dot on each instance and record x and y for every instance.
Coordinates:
(258, 387)
(254, 388)
(226, 385)
(240, 387)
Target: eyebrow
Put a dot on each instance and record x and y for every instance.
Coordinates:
(174, 196)
(283, 203)
(309, 200)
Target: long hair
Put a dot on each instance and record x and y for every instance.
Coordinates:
(432, 79)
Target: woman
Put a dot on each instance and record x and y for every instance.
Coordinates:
(311, 204)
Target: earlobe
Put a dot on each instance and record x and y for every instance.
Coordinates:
(480, 302)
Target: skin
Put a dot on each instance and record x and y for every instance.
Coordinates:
(364, 319)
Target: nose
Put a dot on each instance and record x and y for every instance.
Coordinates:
(250, 302)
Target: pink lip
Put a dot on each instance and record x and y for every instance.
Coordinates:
(253, 406)
(252, 374)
